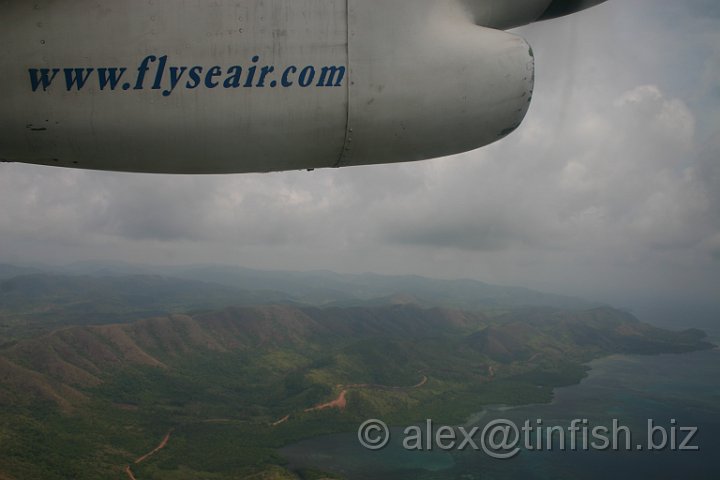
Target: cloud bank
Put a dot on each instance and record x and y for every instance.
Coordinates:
(610, 189)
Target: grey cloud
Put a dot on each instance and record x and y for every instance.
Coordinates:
(612, 184)
(620, 175)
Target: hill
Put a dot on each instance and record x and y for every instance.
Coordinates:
(35, 300)
(37, 303)
(225, 389)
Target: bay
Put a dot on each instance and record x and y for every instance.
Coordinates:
(684, 389)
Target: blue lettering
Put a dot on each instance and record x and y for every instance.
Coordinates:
(176, 74)
(142, 70)
(251, 73)
(212, 73)
(160, 72)
(285, 77)
(307, 76)
(233, 81)
(76, 77)
(42, 77)
(232, 77)
(110, 76)
(263, 73)
(328, 74)
(194, 75)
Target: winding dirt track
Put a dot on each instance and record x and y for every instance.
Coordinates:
(341, 401)
(281, 421)
(160, 446)
(385, 387)
(163, 443)
(129, 473)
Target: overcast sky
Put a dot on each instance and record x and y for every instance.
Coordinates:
(610, 189)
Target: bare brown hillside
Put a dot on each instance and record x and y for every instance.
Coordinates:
(57, 366)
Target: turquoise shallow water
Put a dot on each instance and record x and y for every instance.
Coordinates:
(631, 389)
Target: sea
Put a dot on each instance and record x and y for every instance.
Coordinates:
(680, 391)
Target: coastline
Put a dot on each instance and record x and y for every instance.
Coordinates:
(604, 370)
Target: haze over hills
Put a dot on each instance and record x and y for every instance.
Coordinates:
(222, 366)
(35, 301)
(245, 380)
(37, 298)
(82, 356)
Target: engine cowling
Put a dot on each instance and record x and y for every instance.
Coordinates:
(505, 14)
(199, 87)
(442, 85)
(561, 8)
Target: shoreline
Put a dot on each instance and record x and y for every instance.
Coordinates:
(344, 455)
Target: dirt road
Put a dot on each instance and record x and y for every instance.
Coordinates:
(163, 443)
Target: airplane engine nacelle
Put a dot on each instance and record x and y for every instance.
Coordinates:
(504, 14)
(227, 86)
(434, 84)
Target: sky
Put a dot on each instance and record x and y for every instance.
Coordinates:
(610, 190)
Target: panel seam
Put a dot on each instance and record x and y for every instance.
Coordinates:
(348, 82)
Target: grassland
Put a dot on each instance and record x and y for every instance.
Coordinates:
(233, 386)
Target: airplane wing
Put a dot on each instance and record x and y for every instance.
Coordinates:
(261, 85)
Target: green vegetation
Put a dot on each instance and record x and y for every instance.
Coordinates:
(232, 386)
(33, 302)
(38, 303)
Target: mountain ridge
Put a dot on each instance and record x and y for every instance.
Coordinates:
(75, 358)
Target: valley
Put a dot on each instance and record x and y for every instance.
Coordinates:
(216, 393)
